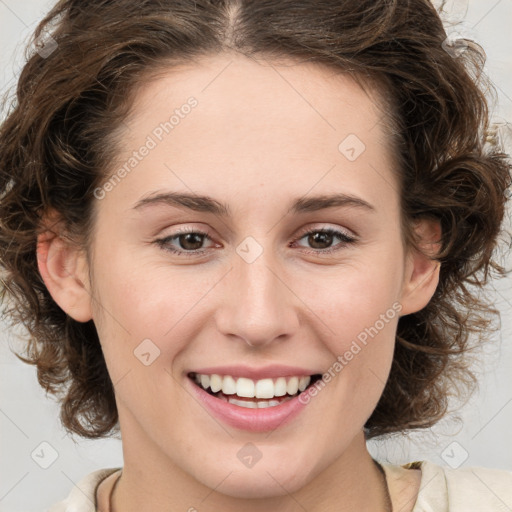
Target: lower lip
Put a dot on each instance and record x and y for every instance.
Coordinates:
(253, 420)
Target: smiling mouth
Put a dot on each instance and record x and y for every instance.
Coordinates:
(253, 394)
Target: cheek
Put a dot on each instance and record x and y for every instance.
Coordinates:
(146, 317)
(357, 297)
(143, 297)
(360, 313)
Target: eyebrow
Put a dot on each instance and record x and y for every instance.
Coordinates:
(202, 203)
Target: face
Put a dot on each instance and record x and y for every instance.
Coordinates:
(264, 280)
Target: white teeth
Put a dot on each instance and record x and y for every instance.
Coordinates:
(303, 383)
(245, 387)
(228, 385)
(248, 388)
(261, 404)
(280, 387)
(249, 405)
(205, 381)
(215, 383)
(264, 388)
(293, 386)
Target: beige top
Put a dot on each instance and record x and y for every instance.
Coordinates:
(441, 489)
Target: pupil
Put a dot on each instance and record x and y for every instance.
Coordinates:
(187, 236)
(314, 239)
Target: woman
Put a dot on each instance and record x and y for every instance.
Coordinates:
(242, 234)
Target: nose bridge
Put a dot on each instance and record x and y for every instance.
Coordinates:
(258, 307)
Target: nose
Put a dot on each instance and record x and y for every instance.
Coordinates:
(258, 305)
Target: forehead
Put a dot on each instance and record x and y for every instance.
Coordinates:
(255, 123)
(267, 87)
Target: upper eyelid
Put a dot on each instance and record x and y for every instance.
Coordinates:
(301, 233)
(307, 230)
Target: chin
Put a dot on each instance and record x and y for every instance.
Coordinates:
(258, 484)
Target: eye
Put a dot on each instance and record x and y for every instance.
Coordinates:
(190, 241)
(320, 238)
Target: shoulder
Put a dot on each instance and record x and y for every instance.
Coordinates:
(82, 497)
(443, 489)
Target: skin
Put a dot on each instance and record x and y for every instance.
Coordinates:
(261, 136)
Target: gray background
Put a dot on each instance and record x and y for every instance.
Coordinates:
(29, 418)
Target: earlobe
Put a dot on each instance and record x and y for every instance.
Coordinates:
(64, 272)
(422, 270)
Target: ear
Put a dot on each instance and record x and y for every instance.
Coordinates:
(63, 267)
(421, 275)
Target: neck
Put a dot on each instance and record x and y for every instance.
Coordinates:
(150, 481)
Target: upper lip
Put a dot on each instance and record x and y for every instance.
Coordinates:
(265, 372)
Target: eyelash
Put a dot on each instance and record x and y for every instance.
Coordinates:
(163, 243)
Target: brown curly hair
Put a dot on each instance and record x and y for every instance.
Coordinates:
(58, 141)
